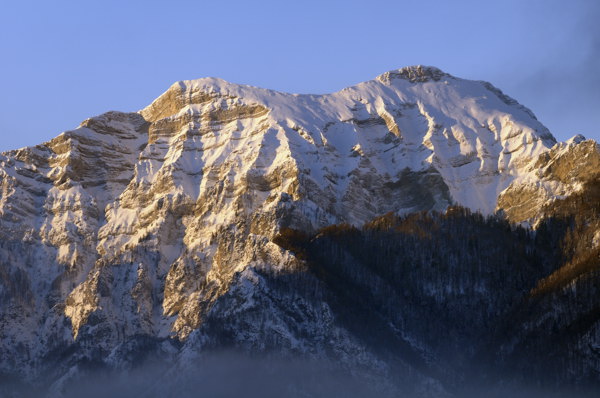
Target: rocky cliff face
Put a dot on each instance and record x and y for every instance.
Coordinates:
(556, 174)
(145, 224)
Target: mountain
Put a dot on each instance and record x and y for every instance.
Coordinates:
(375, 228)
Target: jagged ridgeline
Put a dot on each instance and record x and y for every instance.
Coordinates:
(414, 235)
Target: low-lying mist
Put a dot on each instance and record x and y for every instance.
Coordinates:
(234, 375)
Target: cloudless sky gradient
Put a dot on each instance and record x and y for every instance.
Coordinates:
(64, 61)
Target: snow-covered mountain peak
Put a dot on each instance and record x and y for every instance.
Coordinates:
(416, 118)
(136, 224)
(209, 158)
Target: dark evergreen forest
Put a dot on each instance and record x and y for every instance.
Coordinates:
(494, 301)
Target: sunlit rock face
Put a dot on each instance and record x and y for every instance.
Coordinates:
(556, 174)
(138, 224)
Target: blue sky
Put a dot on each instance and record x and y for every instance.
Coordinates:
(64, 61)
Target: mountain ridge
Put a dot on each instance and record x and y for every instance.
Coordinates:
(140, 224)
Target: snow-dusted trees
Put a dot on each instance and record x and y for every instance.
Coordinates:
(475, 290)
